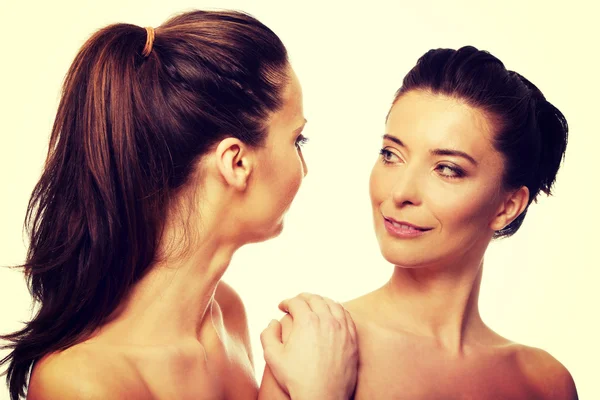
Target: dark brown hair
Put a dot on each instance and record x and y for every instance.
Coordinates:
(530, 132)
(127, 133)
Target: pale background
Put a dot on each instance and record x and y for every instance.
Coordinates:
(539, 287)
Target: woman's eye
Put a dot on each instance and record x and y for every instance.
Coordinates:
(450, 172)
(301, 141)
(388, 157)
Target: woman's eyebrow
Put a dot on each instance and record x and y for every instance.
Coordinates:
(301, 127)
(452, 152)
(394, 139)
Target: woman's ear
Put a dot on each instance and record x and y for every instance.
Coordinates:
(234, 162)
(513, 205)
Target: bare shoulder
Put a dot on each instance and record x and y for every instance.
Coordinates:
(546, 374)
(74, 373)
(232, 307)
(229, 300)
(234, 314)
(361, 301)
(361, 307)
(90, 371)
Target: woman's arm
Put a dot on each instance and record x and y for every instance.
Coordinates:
(269, 388)
(319, 358)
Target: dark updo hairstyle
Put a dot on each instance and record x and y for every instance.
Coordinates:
(138, 108)
(530, 132)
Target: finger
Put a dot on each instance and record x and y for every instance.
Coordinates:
(286, 327)
(351, 326)
(317, 304)
(297, 307)
(270, 340)
(284, 305)
(336, 309)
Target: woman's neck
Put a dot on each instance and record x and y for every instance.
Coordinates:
(173, 300)
(441, 303)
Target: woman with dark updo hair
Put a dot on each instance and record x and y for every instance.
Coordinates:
(468, 146)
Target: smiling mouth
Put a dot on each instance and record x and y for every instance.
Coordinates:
(405, 227)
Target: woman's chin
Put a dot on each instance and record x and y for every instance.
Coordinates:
(277, 229)
(265, 233)
(403, 260)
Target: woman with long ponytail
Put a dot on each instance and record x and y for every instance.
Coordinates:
(160, 165)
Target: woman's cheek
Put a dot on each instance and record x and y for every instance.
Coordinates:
(464, 206)
(378, 186)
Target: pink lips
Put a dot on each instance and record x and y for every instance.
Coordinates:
(403, 229)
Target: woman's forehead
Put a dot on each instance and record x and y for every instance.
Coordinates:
(434, 120)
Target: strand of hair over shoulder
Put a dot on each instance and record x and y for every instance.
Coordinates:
(149, 41)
